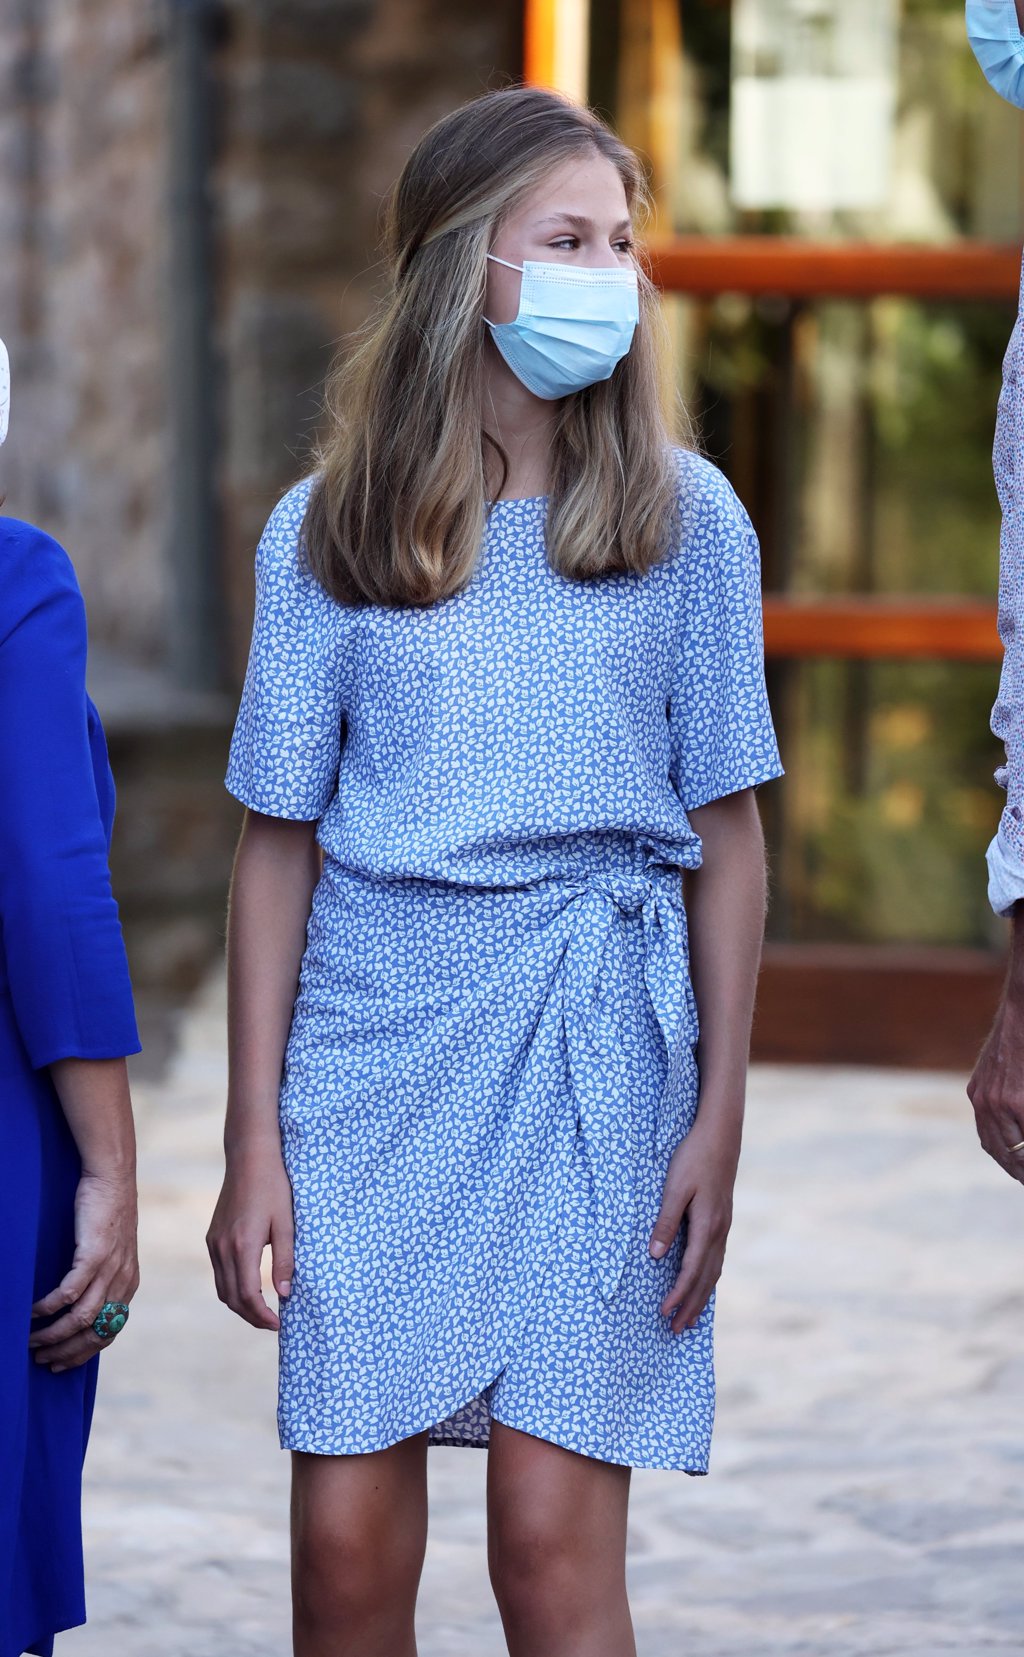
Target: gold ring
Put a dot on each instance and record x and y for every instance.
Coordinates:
(1012, 1149)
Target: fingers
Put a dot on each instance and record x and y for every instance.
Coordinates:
(71, 1340)
(236, 1270)
(702, 1267)
(703, 1258)
(45, 1342)
(674, 1202)
(282, 1246)
(115, 1281)
(73, 1352)
(68, 1290)
(996, 1094)
(999, 1128)
(1012, 1162)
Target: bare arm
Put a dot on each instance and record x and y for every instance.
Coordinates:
(1020, 15)
(277, 866)
(726, 909)
(725, 901)
(96, 1101)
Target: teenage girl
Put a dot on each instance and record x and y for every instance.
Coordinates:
(505, 706)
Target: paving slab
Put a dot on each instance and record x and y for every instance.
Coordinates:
(866, 1497)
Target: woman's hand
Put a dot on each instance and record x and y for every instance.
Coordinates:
(698, 1185)
(254, 1209)
(105, 1267)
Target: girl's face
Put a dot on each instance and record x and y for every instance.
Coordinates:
(577, 216)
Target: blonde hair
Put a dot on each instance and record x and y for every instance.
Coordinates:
(397, 512)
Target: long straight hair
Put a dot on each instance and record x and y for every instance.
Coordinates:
(398, 507)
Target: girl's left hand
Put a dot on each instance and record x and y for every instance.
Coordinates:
(699, 1185)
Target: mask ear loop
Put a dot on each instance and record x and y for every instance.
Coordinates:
(5, 389)
(504, 262)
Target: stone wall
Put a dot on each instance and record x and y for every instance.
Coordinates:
(323, 100)
(82, 227)
(316, 103)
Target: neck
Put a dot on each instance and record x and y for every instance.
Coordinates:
(522, 424)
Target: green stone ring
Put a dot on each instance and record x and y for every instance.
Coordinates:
(111, 1320)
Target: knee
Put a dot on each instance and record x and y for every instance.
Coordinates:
(536, 1572)
(347, 1576)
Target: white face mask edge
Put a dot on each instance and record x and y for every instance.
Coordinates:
(573, 327)
(5, 390)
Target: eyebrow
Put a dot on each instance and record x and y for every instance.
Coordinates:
(579, 222)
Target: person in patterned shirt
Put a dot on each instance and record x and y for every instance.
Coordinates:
(995, 29)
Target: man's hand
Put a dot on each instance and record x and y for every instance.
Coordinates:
(996, 1090)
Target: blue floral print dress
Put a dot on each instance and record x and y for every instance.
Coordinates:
(491, 1056)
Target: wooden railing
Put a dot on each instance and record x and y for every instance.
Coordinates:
(877, 628)
(865, 628)
(796, 269)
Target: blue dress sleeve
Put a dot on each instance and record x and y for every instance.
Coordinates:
(286, 744)
(62, 943)
(722, 738)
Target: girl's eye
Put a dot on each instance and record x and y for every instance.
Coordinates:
(566, 244)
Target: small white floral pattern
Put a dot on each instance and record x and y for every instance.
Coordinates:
(491, 1054)
(1006, 854)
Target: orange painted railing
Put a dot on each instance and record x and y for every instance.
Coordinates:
(796, 269)
(872, 628)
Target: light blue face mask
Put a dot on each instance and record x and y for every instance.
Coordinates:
(998, 45)
(573, 327)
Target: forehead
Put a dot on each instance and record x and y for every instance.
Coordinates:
(587, 186)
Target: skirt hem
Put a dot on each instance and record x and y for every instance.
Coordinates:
(616, 1456)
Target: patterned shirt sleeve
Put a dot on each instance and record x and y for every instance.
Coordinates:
(721, 731)
(286, 744)
(1008, 712)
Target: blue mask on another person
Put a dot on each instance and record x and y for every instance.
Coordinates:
(998, 45)
(5, 390)
(573, 327)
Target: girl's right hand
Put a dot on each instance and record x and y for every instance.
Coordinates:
(254, 1208)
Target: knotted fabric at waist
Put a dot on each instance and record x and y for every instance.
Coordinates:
(595, 968)
(588, 923)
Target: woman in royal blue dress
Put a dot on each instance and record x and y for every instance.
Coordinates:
(505, 696)
(67, 1150)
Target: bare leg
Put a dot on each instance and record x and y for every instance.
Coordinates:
(359, 1532)
(557, 1548)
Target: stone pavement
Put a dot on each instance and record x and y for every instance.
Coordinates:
(867, 1488)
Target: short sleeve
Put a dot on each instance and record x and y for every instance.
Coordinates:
(722, 738)
(286, 743)
(61, 933)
